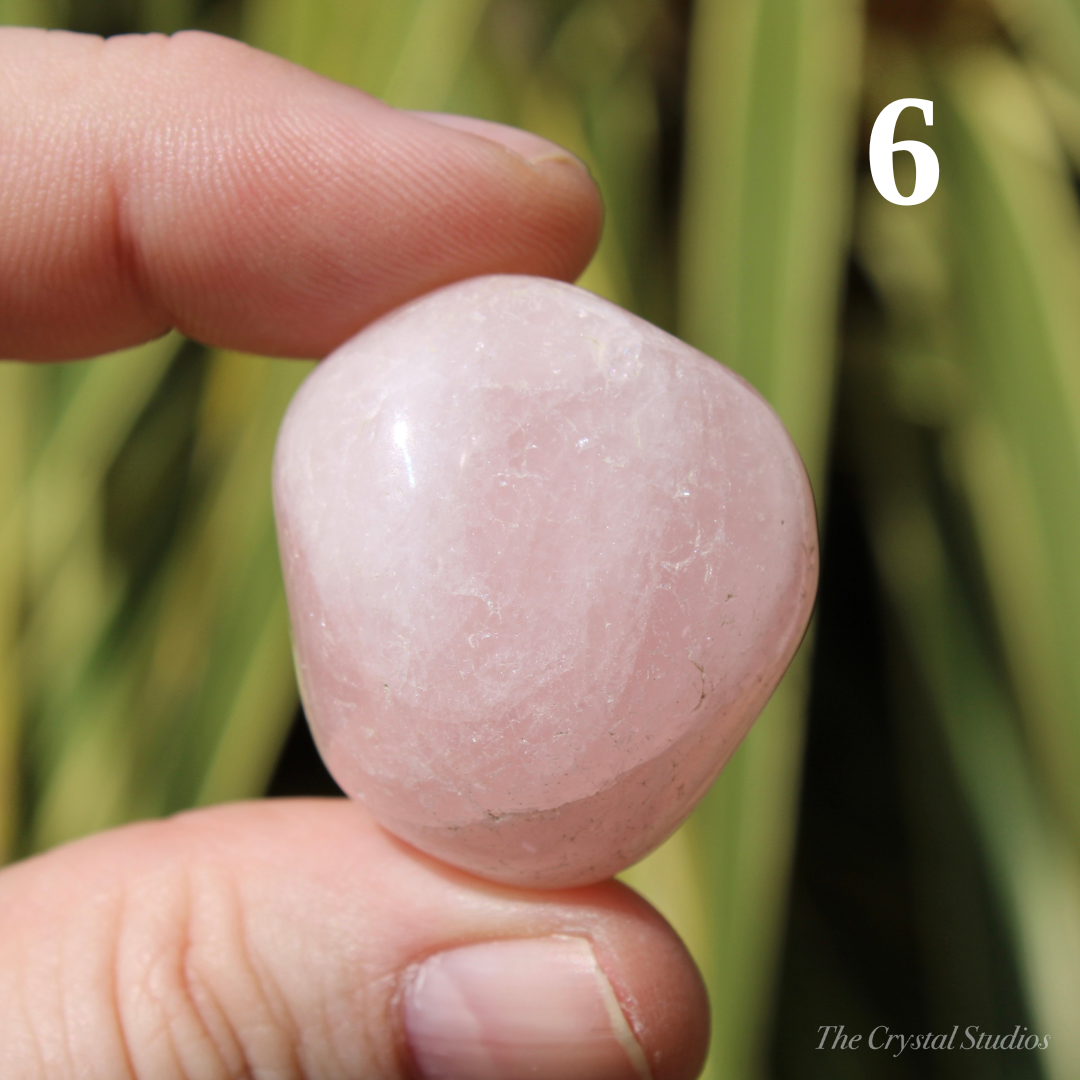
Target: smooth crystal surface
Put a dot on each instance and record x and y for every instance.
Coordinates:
(545, 564)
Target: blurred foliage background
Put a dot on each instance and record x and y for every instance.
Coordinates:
(898, 840)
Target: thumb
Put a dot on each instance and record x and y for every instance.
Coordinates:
(297, 939)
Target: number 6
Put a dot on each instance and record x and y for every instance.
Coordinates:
(882, 149)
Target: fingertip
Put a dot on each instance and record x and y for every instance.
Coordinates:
(646, 967)
(303, 928)
(658, 985)
(197, 182)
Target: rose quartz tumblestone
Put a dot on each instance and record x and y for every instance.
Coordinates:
(545, 564)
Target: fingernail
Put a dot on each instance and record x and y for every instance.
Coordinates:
(532, 148)
(511, 1010)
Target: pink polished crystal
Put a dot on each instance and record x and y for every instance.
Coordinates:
(545, 565)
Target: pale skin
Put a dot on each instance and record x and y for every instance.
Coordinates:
(148, 183)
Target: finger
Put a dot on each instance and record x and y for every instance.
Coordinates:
(152, 182)
(297, 939)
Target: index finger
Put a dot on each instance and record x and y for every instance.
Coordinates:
(196, 183)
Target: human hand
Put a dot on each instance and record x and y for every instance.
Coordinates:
(192, 182)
